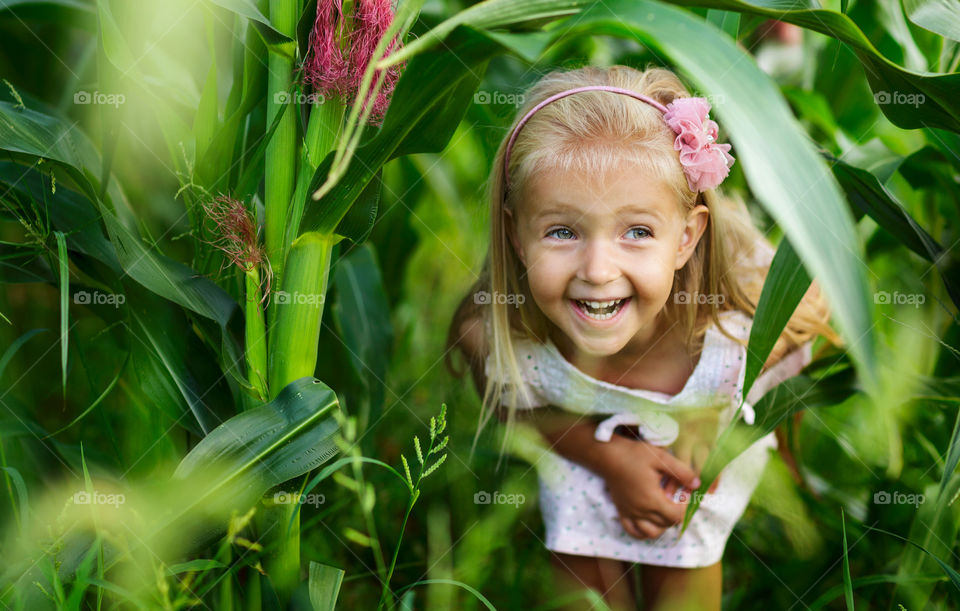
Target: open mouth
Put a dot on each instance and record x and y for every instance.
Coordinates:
(600, 310)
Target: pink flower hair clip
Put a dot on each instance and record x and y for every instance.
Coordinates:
(705, 162)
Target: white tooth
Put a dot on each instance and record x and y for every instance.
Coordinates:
(594, 304)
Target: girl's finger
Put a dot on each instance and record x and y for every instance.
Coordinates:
(654, 518)
(670, 486)
(679, 470)
(631, 529)
(649, 529)
(674, 510)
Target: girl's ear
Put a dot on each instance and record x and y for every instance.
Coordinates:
(510, 222)
(692, 231)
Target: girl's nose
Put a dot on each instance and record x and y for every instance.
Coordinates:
(598, 265)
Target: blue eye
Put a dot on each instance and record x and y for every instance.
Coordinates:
(566, 233)
(644, 230)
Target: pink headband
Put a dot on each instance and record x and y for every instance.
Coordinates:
(705, 162)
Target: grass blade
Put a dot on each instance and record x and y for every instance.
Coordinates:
(847, 585)
(64, 307)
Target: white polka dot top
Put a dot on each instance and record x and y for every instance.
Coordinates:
(579, 516)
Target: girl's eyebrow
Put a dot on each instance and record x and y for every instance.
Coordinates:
(562, 208)
(556, 208)
(634, 209)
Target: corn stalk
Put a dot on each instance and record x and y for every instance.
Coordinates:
(280, 163)
(283, 560)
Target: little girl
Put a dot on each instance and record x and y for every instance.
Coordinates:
(617, 299)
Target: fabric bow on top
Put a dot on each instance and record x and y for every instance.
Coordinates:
(705, 162)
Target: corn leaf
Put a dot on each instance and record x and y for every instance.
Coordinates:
(787, 398)
(272, 37)
(73, 214)
(953, 455)
(39, 135)
(941, 92)
(12, 348)
(939, 16)
(264, 446)
(174, 370)
(69, 12)
(932, 533)
(870, 197)
(488, 15)
(324, 586)
(784, 288)
(361, 315)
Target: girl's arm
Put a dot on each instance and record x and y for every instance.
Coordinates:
(633, 470)
(570, 435)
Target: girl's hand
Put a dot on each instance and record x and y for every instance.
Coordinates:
(671, 485)
(633, 471)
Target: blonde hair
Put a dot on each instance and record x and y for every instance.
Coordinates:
(589, 131)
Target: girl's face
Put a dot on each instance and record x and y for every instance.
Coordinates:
(600, 253)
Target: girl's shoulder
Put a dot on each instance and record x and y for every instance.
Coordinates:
(472, 337)
(733, 322)
(739, 324)
(751, 266)
(782, 364)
